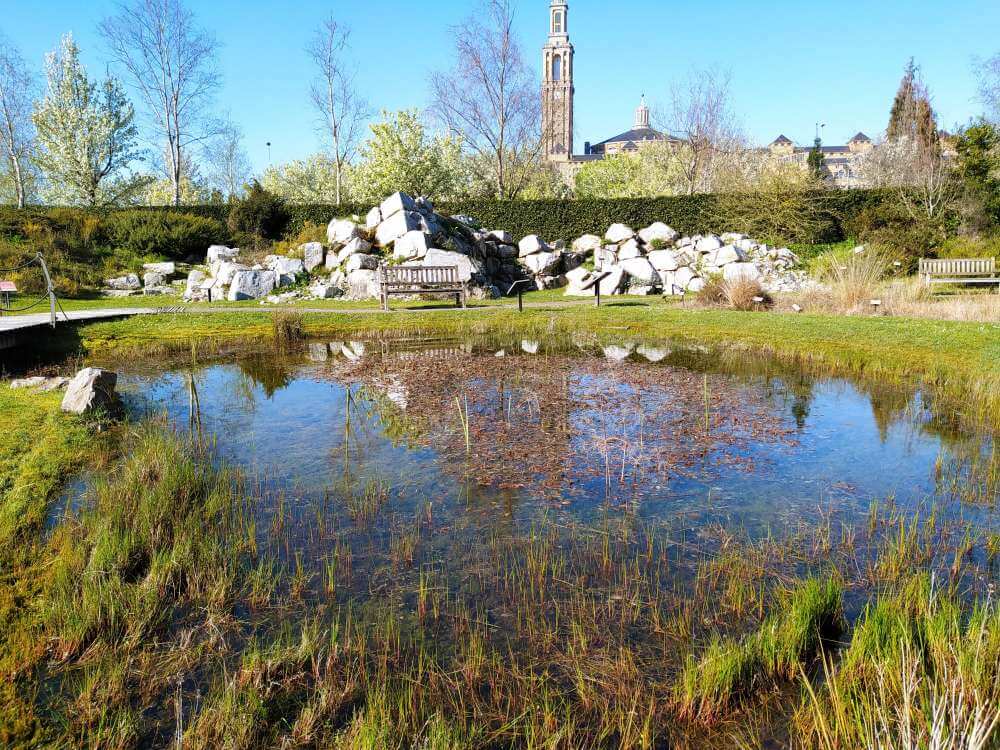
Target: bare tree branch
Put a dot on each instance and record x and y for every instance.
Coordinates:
(490, 98)
(17, 86)
(342, 111)
(171, 63)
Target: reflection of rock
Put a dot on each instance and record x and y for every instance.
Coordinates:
(42, 384)
(319, 352)
(652, 353)
(398, 393)
(353, 350)
(618, 353)
(529, 347)
(90, 390)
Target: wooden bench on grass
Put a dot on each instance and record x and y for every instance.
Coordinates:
(410, 280)
(960, 271)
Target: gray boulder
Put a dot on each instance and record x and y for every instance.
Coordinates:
(194, 281)
(218, 253)
(398, 224)
(641, 270)
(530, 245)
(587, 244)
(630, 249)
(129, 282)
(355, 246)
(612, 284)
(153, 279)
(223, 272)
(395, 203)
(373, 219)
(467, 267)
(543, 263)
(744, 271)
(664, 260)
(360, 261)
(362, 284)
(313, 255)
(502, 237)
(90, 390)
(252, 285)
(165, 269)
(412, 245)
(708, 244)
(342, 231)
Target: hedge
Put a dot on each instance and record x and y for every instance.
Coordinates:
(832, 213)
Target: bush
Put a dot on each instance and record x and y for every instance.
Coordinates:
(162, 234)
(258, 216)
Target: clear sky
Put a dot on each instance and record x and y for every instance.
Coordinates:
(792, 63)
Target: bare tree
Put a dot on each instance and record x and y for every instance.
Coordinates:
(490, 99)
(16, 131)
(701, 117)
(341, 109)
(171, 63)
(229, 166)
(989, 85)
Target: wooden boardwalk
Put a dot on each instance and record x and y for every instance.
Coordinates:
(19, 328)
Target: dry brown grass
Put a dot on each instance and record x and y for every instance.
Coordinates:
(737, 294)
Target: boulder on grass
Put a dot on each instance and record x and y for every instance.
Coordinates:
(664, 260)
(166, 269)
(128, 282)
(153, 279)
(741, 272)
(313, 255)
(641, 271)
(90, 390)
(252, 285)
(613, 282)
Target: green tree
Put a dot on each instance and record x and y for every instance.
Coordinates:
(403, 155)
(86, 135)
(309, 180)
(618, 176)
(816, 161)
(912, 116)
(978, 148)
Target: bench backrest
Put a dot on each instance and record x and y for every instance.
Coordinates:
(958, 267)
(419, 275)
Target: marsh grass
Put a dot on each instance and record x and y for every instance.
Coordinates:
(288, 328)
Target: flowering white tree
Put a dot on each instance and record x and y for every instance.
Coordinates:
(16, 130)
(310, 180)
(86, 135)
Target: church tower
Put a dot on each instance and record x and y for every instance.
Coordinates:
(557, 86)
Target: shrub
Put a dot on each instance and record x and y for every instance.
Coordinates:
(858, 278)
(310, 232)
(162, 234)
(258, 216)
(737, 294)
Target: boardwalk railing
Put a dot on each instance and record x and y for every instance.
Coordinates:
(50, 292)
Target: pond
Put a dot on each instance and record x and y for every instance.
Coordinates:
(488, 529)
(486, 436)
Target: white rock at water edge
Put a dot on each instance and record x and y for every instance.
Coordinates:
(90, 390)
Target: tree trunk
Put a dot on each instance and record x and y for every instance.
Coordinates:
(18, 181)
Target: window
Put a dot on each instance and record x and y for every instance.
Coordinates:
(557, 22)
(557, 68)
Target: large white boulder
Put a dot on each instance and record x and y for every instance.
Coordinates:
(641, 270)
(664, 260)
(325, 290)
(708, 244)
(683, 277)
(357, 245)
(576, 280)
(287, 270)
(530, 245)
(613, 282)
(373, 219)
(741, 271)
(342, 231)
(165, 269)
(362, 284)
(252, 285)
(218, 253)
(605, 257)
(467, 267)
(396, 225)
(224, 272)
(658, 232)
(587, 244)
(91, 389)
(543, 263)
(360, 261)
(412, 245)
(194, 280)
(153, 279)
(724, 256)
(630, 249)
(619, 233)
(395, 203)
(313, 255)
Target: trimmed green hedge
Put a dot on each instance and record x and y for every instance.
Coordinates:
(833, 212)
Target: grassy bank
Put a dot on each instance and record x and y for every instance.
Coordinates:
(958, 360)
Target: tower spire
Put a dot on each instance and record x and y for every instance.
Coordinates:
(557, 85)
(641, 115)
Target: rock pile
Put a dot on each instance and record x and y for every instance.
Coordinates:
(658, 260)
(157, 279)
(401, 230)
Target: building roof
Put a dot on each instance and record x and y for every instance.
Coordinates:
(781, 140)
(860, 138)
(631, 136)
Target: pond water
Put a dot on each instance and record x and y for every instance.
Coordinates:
(360, 441)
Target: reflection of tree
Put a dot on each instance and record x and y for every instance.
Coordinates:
(889, 405)
(269, 371)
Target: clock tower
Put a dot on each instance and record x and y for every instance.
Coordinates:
(557, 86)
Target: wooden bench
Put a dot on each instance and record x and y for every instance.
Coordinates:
(960, 271)
(410, 280)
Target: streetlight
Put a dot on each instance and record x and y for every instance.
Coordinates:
(269, 153)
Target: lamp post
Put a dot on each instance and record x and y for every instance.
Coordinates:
(268, 153)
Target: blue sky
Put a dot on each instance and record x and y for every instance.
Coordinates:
(792, 63)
